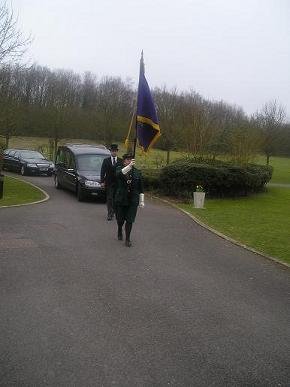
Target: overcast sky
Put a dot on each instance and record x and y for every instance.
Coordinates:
(234, 50)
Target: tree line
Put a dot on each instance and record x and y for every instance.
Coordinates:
(38, 101)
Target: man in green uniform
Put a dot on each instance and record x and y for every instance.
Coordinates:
(129, 195)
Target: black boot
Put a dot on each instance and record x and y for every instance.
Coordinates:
(128, 228)
(120, 235)
(120, 231)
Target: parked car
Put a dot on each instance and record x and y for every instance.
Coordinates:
(78, 168)
(26, 162)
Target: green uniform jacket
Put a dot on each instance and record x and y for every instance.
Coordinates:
(122, 198)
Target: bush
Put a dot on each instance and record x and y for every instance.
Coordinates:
(181, 177)
(2, 145)
(2, 148)
(151, 179)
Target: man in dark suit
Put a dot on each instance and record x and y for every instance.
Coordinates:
(108, 178)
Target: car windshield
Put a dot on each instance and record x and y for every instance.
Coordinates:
(31, 155)
(92, 163)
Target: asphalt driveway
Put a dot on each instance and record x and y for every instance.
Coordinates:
(182, 307)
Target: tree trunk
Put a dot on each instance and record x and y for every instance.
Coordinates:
(55, 140)
(7, 137)
(51, 149)
(1, 166)
(167, 157)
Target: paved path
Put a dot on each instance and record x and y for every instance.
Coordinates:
(182, 307)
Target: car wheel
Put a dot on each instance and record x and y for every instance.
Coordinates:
(56, 182)
(80, 194)
(23, 170)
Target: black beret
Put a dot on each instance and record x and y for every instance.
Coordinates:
(128, 156)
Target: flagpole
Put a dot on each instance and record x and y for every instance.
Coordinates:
(135, 140)
(142, 69)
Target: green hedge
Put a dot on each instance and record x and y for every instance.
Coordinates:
(151, 179)
(181, 177)
(2, 148)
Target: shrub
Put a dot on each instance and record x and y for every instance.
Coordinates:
(2, 148)
(217, 178)
(151, 179)
(2, 144)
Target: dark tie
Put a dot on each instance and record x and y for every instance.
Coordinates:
(114, 160)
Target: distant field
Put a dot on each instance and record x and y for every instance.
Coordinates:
(155, 158)
(36, 142)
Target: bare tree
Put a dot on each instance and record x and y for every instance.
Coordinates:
(114, 101)
(9, 101)
(13, 43)
(168, 110)
(89, 91)
(12, 46)
(195, 124)
(244, 142)
(269, 120)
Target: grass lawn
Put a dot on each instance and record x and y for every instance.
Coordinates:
(281, 172)
(281, 165)
(18, 192)
(260, 221)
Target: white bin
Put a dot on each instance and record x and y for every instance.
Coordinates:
(198, 199)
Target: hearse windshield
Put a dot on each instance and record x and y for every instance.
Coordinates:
(31, 155)
(91, 163)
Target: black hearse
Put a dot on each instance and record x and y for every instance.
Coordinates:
(78, 168)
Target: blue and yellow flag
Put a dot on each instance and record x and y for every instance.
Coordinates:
(147, 126)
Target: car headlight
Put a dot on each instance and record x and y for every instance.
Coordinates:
(91, 183)
(31, 165)
(51, 165)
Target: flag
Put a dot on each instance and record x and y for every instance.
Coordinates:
(147, 125)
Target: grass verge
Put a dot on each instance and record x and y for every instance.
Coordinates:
(259, 221)
(281, 166)
(19, 192)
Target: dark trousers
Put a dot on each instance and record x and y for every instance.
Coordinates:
(110, 191)
(125, 214)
